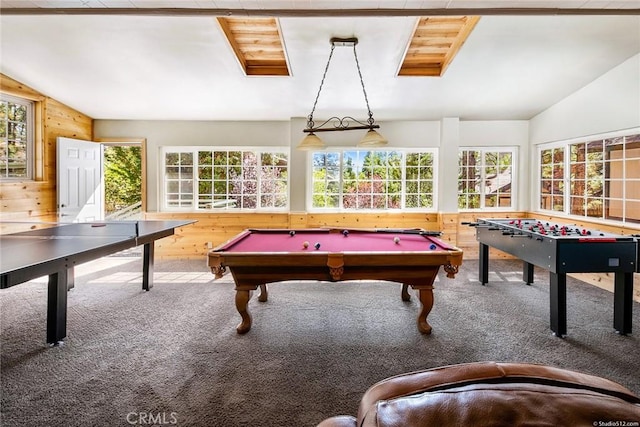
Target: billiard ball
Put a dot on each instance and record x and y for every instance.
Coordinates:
(396, 240)
(432, 247)
(292, 233)
(317, 246)
(345, 233)
(305, 245)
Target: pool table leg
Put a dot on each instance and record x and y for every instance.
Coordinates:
(426, 299)
(264, 295)
(242, 301)
(405, 292)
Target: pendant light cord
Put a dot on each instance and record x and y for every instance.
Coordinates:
(366, 100)
(310, 122)
(370, 120)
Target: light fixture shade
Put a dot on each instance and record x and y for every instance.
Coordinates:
(311, 142)
(372, 139)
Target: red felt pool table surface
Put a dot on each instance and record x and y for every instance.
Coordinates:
(266, 241)
(258, 257)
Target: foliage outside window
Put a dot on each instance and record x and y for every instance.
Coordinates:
(123, 177)
(603, 177)
(373, 179)
(485, 178)
(205, 179)
(16, 140)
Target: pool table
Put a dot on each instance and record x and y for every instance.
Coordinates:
(410, 257)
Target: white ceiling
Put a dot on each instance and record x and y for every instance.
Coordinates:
(157, 66)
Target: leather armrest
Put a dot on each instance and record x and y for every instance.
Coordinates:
(339, 421)
(515, 393)
(473, 373)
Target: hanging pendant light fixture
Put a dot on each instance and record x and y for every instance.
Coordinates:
(371, 138)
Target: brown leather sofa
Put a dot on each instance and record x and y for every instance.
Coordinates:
(494, 394)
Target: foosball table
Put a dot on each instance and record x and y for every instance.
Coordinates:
(563, 249)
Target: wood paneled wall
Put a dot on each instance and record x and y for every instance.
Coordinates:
(213, 229)
(36, 200)
(210, 230)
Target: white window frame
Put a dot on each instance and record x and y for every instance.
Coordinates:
(30, 143)
(404, 151)
(538, 177)
(514, 177)
(194, 202)
(567, 175)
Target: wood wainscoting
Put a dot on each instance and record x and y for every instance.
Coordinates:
(213, 229)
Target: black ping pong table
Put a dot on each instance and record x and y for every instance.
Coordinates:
(54, 250)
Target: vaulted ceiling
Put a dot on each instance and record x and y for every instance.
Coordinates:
(264, 60)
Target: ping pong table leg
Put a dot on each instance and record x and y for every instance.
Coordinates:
(147, 267)
(57, 307)
(71, 279)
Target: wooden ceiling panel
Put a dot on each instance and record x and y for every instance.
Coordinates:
(257, 43)
(434, 44)
(258, 46)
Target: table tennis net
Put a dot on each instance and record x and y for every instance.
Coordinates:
(74, 229)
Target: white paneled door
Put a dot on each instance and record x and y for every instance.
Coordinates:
(80, 184)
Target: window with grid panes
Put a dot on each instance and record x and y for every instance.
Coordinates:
(485, 178)
(586, 179)
(603, 176)
(202, 178)
(372, 179)
(16, 139)
(552, 179)
(178, 179)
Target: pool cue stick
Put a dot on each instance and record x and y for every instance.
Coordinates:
(408, 231)
(391, 230)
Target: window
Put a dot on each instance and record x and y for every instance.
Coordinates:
(552, 179)
(602, 176)
(201, 178)
(373, 179)
(586, 179)
(485, 178)
(16, 139)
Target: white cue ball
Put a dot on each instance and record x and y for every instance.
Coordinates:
(396, 240)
